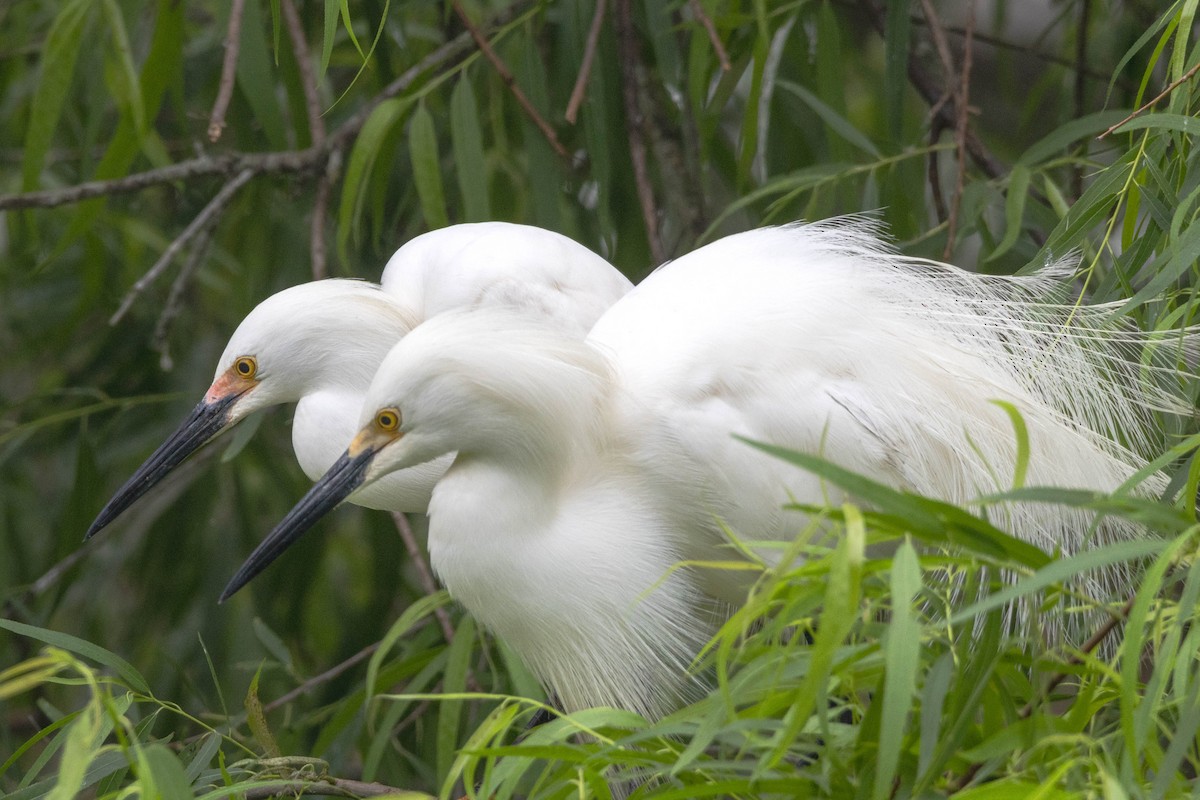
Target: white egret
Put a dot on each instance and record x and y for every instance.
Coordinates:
(586, 470)
(318, 344)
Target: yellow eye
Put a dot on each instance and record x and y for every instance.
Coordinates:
(388, 419)
(245, 367)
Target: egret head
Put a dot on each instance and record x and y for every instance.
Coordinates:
(486, 383)
(299, 340)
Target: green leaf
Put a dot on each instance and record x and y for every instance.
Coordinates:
(923, 517)
(131, 89)
(330, 31)
(467, 141)
(902, 657)
(897, 29)
(169, 778)
(83, 648)
(359, 169)
(256, 78)
(54, 81)
(1014, 209)
(427, 168)
(458, 664)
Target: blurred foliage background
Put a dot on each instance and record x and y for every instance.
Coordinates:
(640, 128)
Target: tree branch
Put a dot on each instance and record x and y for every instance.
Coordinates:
(510, 81)
(700, 14)
(585, 67)
(424, 573)
(309, 161)
(207, 216)
(635, 126)
(1172, 87)
(233, 43)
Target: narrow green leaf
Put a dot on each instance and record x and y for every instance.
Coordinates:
(131, 89)
(359, 169)
(458, 664)
(427, 168)
(331, 20)
(897, 29)
(54, 81)
(83, 648)
(256, 78)
(257, 720)
(1014, 209)
(902, 657)
(170, 779)
(467, 141)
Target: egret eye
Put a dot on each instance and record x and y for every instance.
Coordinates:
(245, 367)
(388, 419)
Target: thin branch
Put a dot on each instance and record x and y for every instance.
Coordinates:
(510, 81)
(700, 14)
(174, 304)
(206, 217)
(316, 129)
(1172, 87)
(324, 677)
(585, 68)
(931, 92)
(311, 160)
(289, 161)
(635, 126)
(1081, 43)
(316, 242)
(233, 43)
(308, 78)
(424, 573)
(328, 785)
(960, 135)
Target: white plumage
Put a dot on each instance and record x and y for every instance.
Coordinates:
(587, 470)
(318, 344)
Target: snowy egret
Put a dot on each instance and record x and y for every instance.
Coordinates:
(318, 344)
(586, 470)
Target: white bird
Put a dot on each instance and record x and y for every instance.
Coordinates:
(318, 344)
(587, 470)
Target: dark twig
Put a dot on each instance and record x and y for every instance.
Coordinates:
(328, 785)
(1081, 43)
(206, 217)
(585, 68)
(317, 231)
(174, 304)
(510, 81)
(936, 127)
(702, 16)
(931, 92)
(316, 127)
(312, 160)
(308, 78)
(290, 161)
(233, 43)
(961, 123)
(1172, 87)
(324, 677)
(635, 126)
(424, 573)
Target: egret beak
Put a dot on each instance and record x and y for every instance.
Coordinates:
(209, 418)
(345, 476)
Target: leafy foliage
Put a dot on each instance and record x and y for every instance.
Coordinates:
(849, 672)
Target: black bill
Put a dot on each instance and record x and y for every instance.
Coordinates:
(205, 422)
(336, 485)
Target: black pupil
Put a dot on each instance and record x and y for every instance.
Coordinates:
(243, 367)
